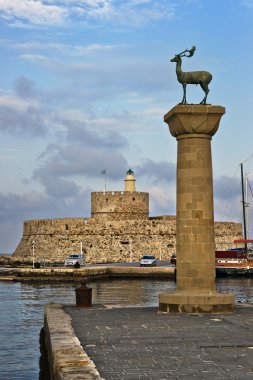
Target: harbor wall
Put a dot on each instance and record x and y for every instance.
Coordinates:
(66, 358)
(108, 240)
(85, 274)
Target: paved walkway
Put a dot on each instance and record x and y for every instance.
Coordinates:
(140, 343)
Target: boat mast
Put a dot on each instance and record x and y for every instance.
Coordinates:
(243, 209)
(246, 204)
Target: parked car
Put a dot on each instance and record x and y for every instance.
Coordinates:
(173, 259)
(75, 259)
(148, 261)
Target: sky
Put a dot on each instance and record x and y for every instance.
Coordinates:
(84, 86)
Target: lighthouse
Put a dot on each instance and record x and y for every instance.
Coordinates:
(129, 181)
(121, 205)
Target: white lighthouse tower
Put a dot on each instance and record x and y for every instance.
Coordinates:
(129, 181)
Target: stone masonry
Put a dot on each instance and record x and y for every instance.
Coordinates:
(118, 231)
(194, 126)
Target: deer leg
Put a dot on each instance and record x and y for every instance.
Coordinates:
(184, 92)
(205, 88)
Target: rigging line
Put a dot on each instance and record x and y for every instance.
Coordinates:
(227, 206)
(250, 189)
(247, 159)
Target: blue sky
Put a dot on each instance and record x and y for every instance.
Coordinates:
(84, 85)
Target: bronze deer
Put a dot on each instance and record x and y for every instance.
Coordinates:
(203, 78)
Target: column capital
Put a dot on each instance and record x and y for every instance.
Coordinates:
(194, 119)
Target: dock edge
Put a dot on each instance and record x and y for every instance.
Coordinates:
(66, 357)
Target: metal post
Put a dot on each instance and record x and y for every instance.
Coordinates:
(130, 246)
(243, 208)
(246, 205)
(33, 251)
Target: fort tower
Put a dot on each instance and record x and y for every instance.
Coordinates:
(128, 204)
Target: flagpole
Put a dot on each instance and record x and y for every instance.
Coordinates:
(104, 173)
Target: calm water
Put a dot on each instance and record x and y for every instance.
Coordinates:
(22, 308)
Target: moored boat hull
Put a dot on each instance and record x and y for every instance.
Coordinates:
(234, 270)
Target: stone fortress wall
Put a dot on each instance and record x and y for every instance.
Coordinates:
(111, 241)
(119, 205)
(118, 230)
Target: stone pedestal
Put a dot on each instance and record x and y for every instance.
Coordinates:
(193, 126)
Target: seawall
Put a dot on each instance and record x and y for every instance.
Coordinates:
(84, 274)
(66, 357)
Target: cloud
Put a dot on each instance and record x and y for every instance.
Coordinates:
(106, 79)
(15, 209)
(86, 137)
(12, 203)
(24, 87)
(59, 48)
(127, 12)
(10, 234)
(161, 202)
(247, 3)
(32, 112)
(53, 13)
(26, 120)
(28, 112)
(98, 72)
(99, 77)
(17, 102)
(35, 112)
(81, 152)
(33, 11)
(227, 198)
(89, 49)
(226, 187)
(34, 58)
(74, 160)
(6, 157)
(161, 171)
(58, 187)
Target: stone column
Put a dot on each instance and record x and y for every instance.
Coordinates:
(193, 126)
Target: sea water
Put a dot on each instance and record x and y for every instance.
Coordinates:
(22, 312)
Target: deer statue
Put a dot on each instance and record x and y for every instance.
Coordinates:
(192, 77)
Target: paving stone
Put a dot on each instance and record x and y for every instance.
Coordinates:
(140, 343)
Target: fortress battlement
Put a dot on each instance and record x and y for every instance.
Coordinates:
(118, 230)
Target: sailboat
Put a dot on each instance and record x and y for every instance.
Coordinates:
(237, 261)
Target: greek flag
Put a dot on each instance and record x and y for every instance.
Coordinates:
(103, 171)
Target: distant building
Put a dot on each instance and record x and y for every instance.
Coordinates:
(118, 230)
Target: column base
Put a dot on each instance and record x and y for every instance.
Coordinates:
(216, 303)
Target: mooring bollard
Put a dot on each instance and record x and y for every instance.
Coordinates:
(83, 296)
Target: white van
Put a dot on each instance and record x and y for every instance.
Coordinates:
(73, 259)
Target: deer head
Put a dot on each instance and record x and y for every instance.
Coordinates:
(184, 54)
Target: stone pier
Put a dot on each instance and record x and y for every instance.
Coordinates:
(193, 126)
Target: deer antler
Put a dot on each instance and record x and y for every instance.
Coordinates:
(190, 51)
